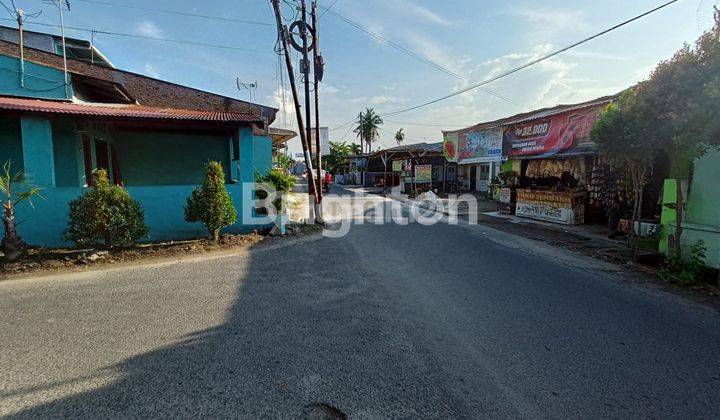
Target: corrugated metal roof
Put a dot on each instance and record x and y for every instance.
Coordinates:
(541, 113)
(419, 148)
(415, 147)
(121, 110)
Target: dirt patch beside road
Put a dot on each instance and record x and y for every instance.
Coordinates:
(39, 261)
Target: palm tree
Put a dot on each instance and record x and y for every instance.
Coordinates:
(355, 149)
(367, 130)
(12, 244)
(400, 137)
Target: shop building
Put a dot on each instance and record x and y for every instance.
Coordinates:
(416, 168)
(555, 160)
(559, 174)
(478, 152)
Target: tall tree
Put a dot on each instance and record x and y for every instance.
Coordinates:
(620, 132)
(368, 123)
(680, 104)
(400, 137)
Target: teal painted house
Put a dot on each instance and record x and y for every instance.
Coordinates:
(153, 137)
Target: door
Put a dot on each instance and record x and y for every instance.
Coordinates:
(473, 178)
(101, 155)
(483, 177)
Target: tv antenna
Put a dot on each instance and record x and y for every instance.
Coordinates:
(21, 17)
(62, 5)
(249, 86)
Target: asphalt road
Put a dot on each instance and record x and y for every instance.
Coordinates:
(387, 322)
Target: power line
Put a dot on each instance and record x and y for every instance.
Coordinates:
(408, 51)
(407, 139)
(176, 41)
(343, 125)
(327, 9)
(177, 12)
(531, 63)
(425, 124)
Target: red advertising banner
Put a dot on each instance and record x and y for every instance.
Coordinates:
(551, 135)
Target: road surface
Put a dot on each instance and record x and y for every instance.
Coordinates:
(389, 321)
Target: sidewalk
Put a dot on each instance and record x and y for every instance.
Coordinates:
(590, 240)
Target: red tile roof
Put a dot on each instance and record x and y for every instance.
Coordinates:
(121, 110)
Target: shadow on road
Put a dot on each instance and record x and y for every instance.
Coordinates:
(417, 322)
(225, 371)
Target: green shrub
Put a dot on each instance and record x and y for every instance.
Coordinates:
(686, 272)
(281, 181)
(211, 204)
(285, 162)
(105, 214)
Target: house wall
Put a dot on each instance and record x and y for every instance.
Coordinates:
(38, 155)
(40, 81)
(169, 159)
(51, 148)
(66, 154)
(704, 201)
(45, 223)
(11, 143)
(262, 154)
(702, 216)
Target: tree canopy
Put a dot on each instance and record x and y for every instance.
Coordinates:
(680, 102)
(339, 152)
(400, 137)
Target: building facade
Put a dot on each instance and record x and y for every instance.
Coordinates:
(153, 138)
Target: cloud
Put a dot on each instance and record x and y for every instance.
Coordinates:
(596, 55)
(422, 12)
(283, 101)
(151, 71)
(382, 99)
(148, 28)
(434, 51)
(328, 89)
(508, 61)
(545, 23)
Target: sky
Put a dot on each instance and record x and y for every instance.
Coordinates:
(474, 39)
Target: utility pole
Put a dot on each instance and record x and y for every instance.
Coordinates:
(306, 75)
(317, 73)
(283, 34)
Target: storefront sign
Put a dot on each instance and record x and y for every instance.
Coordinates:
(397, 166)
(559, 207)
(423, 173)
(505, 195)
(324, 141)
(480, 146)
(450, 147)
(546, 137)
(407, 165)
